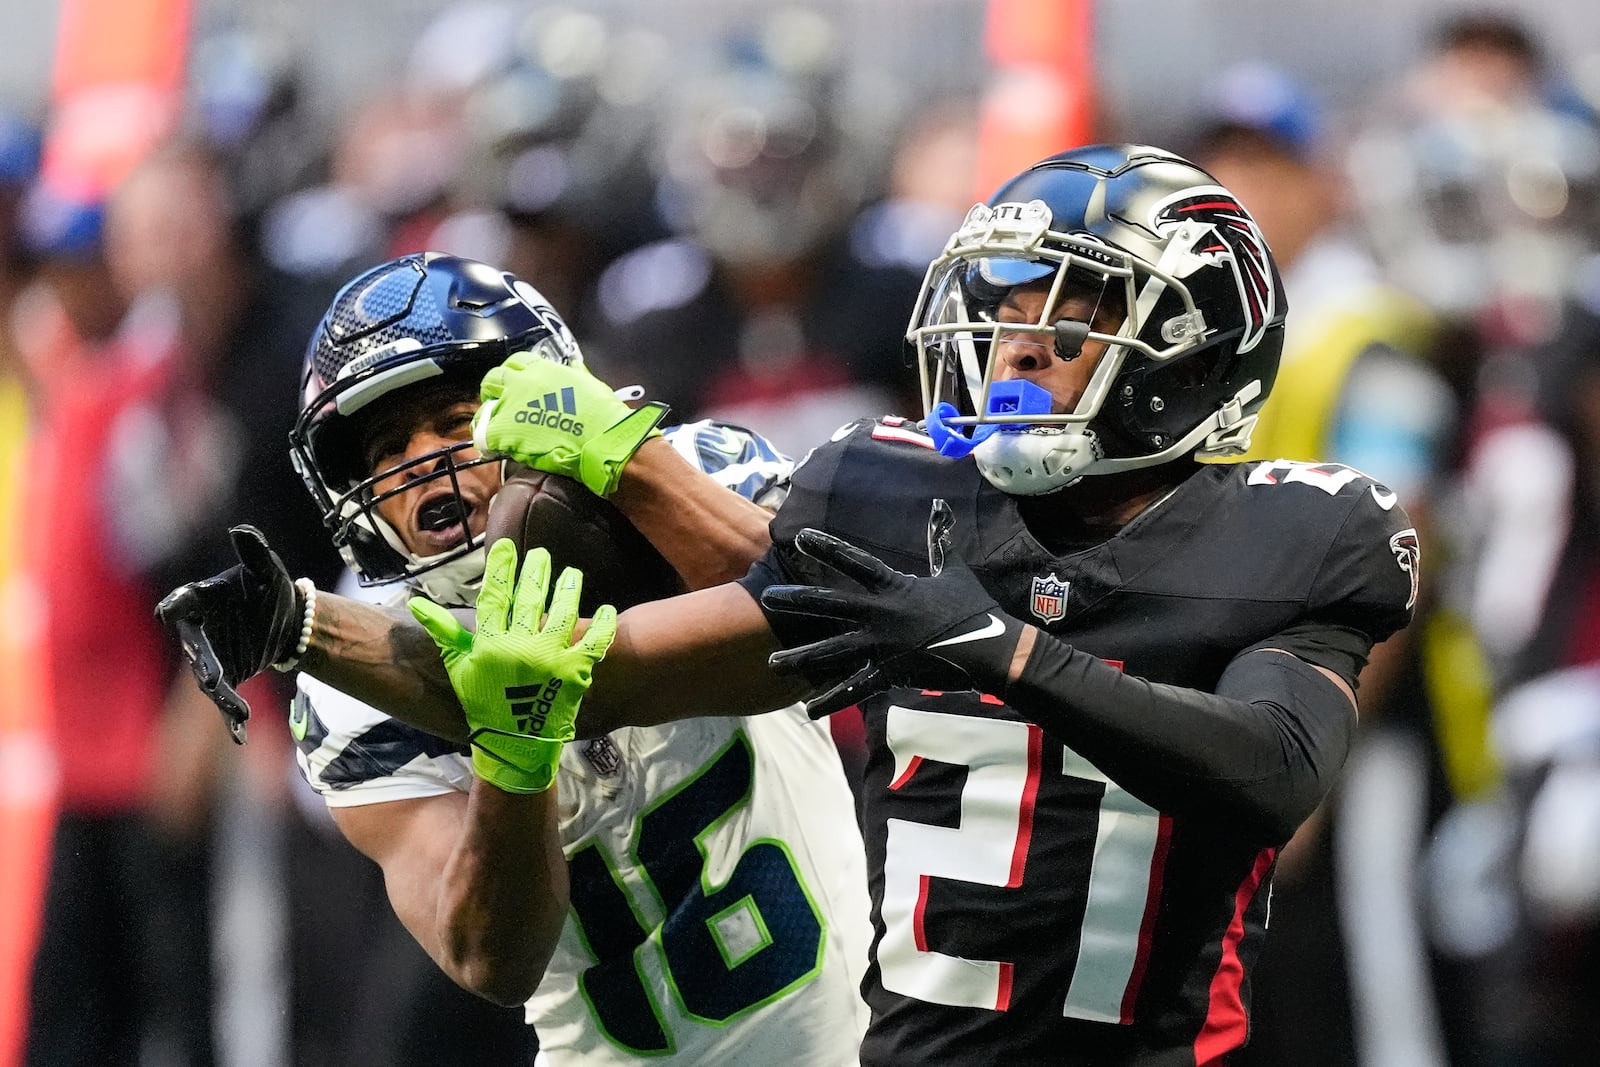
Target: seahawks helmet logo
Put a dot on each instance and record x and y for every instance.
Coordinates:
(1218, 230)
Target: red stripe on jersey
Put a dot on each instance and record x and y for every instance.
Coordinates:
(917, 933)
(1002, 1000)
(1030, 790)
(1158, 863)
(905, 775)
(1226, 1026)
(894, 433)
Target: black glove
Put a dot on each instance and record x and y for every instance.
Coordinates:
(940, 632)
(236, 624)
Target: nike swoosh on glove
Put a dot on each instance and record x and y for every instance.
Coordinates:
(942, 632)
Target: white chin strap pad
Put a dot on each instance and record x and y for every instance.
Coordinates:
(1032, 463)
(454, 584)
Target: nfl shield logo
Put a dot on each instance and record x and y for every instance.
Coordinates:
(1049, 597)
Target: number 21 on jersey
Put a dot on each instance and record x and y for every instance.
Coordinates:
(989, 846)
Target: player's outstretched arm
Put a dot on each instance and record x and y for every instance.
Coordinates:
(234, 625)
(701, 653)
(708, 533)
(1262, 750)
(383, 658)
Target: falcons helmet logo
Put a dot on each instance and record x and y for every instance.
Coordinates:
(1408, 555)
(1213, 229)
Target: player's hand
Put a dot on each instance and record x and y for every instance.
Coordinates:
(561, 419)
(940, 632)
(235, 624)
(519, 683)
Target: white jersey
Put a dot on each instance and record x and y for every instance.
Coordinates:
(718, 881)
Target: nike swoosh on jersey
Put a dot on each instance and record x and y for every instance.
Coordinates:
(994, 628)
(1383, 497)
(299, 719)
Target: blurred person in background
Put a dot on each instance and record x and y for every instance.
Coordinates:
(393, 160)
(122, 962)
(1515, 874)
(1567, 632)
(1476, 181)
(1522, 475)
(759, 310)
(1486, 203)
(177, 243)
(175, 247)
(1357, 387)
(558, 182)
(1538, 894)
(397, 156)
(25, 809)
(19, 161)
(248, 105)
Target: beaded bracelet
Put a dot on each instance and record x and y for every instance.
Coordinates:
(309, 591)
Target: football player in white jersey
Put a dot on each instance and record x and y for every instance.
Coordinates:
(696, 891)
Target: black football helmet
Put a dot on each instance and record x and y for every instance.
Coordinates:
(1185, 373)
(414, 319)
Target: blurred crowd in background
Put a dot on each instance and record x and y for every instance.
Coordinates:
(744, 237)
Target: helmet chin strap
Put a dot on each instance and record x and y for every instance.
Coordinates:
(1037, 462)
(454, 583)
(451, 582)
(1032, 463)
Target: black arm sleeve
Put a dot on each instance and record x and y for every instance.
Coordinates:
(810, 502)
(777, 567)
(1263, 750)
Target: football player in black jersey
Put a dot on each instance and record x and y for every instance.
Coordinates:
(1104, 677)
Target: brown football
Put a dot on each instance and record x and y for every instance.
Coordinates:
(581, 530)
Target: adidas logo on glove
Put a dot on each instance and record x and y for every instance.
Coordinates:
(561, 416)
(531, 704)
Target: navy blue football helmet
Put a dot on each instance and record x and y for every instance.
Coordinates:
(412, 320)
(1183, 375)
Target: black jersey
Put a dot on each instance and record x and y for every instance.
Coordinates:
(1027, 908)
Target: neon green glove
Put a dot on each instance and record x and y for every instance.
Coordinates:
(520, 684)
(559, 418)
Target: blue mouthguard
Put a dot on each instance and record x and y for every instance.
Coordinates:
(1005, 398)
